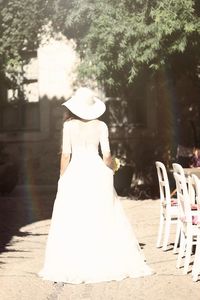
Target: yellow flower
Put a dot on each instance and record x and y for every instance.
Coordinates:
(115, 164)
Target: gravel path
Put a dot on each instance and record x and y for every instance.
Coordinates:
(21, 258)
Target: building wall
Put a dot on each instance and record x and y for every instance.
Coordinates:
(39, 159)
(37, 152)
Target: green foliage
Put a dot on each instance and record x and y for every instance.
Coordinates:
(116, 38)
(21, 23)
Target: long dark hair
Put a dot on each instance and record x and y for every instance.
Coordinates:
(68, 115)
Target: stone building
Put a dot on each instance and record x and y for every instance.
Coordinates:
(30, 128)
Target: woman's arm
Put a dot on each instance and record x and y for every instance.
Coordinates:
(107, 158)
(66, 148)
(64, 162)
(105, 146)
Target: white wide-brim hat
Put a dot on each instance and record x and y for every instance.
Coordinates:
(85, 104)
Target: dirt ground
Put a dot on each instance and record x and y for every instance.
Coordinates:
(24, 220)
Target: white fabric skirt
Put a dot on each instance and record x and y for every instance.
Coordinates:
(90, 238)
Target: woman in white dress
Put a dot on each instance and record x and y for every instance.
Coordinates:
(90, 237)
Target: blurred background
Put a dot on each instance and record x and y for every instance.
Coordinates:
(142, 57)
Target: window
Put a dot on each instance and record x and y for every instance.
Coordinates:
(130, 114)
(19, 117)
(24, 114)
(19, 105)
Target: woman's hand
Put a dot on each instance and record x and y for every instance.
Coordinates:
(107, 158)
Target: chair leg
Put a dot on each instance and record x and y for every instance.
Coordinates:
(181, 251)
(187, 254)
(177, 238)
(160, 231)
(196, 264)
(166, 233)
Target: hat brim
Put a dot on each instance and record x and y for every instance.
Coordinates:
(87, 113)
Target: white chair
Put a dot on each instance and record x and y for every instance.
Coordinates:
(179, 169)
(189, 229)
(168, 209)
(196, 264)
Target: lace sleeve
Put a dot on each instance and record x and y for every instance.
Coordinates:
(66, 143)
(104, 141)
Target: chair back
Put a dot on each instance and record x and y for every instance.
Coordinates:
(184, 205)
(191, 189)
(163, 183)
(196, 185)
(178, 169)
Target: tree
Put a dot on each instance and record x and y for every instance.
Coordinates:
(124, 45)
(21, 25)
(121, 42)
(153, 45)
(113, 38)
(116, 38)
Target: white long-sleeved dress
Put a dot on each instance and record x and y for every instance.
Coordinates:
(90, 238)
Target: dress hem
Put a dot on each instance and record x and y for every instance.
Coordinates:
(92, 281)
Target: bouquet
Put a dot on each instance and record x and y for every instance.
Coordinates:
(115, 164)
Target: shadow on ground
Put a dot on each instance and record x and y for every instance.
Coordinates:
(25, 205)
